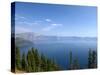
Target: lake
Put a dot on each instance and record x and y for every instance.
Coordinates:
(60, 51)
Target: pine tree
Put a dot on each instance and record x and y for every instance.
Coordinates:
(71, 60)
(33, 60)
(94, 60)
(37, 60)
(24, 65)
(76, 64)
(29, 68)
(49, 64)
(90, 58)
(43, 62)
(54, 65)
(18, 58)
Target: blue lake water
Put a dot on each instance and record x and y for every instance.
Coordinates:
(60, 51)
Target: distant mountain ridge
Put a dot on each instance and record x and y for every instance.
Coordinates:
(33, 36)
(29, 38)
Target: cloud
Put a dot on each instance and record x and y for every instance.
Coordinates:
(25, 25)
(48, 20)
(20, 18)
(54, 24)
(47, 28)
(25, 22)
(37, 22)
(19, 29)
(50, 27)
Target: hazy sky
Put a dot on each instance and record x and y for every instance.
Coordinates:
(59, 20)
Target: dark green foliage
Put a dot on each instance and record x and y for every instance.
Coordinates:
(54, 66)
(92, 59)
(37, 60)
(17, 59)
(34, 62)
(43, 62)
(73, 63)
(23, 62)
(76, 64)
(71, 60)
(29, 61)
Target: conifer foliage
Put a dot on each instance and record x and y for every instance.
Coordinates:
(74, 62)
(32, 61)
(92, 59)
(17, 58)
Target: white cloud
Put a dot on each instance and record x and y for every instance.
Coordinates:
(54, 24)
(28, 26)
(19, 17)
(19, 29)
(28, 23)
(48, 20)
(47, 28)
(24, 23)
(38, 21)
(22, 17)
(50, 27)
